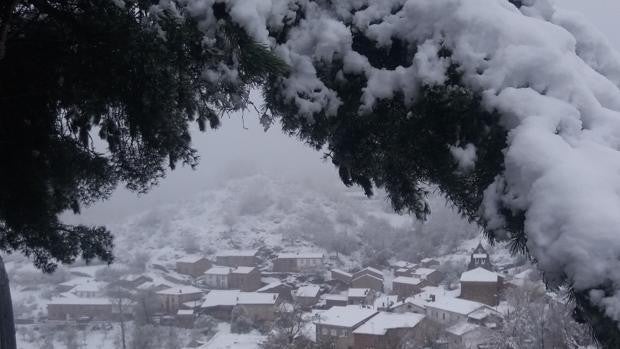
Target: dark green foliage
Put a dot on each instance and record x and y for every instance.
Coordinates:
(402, 147)
(73, 69)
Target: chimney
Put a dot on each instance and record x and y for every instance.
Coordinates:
(431, 297)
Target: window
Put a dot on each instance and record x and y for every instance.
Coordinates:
(343, 333)
(334, 332)
(443, 315)
(324, 331)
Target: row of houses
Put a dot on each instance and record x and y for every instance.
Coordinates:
(408, 282)
(196, 266)
(448, 323)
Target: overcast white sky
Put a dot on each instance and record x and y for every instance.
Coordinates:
(235, 150)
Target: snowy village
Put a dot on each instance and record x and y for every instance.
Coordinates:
(309, 174)
(289, 292)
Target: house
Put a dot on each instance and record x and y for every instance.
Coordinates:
(479, 258)
(172, 299)
(402, 265)
(307, 296)
(153, 286)
(431, 277)
(284, 291)
(217, 277)
(392, 330)
(237, 258)
(464, 335)
(133, 281)
(259, 306)
(335, 300)
(185, 318)
(220, 303)
(486, 317)
(429, 263)
(481, 285)
(74, 308)
(193, 265)
(342, 276)
(410, 305)
(386, 302)
(369, 271)
(403, 272)
(245, 279)
(335, 326)
(297, 262)
(361, 296)
(368, 281)
(405, 286)
(447, 311)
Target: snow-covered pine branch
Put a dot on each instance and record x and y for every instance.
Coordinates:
(392, 87)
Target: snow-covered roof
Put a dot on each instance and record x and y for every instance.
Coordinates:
(479, 275)
(72, 300)
(151, 284)
(417, 301)
(455, 305)
(243, 270)
(480, 255)
(386, 301)
(407, 280)
(88, 287)
(217, 270)
(334, 297)
(180, 290)
(481, 314)
(227, 340)
(190, 259)
(402, 264)
(382, 322)
(134, 277)
(374, 270)
(358, 292)
(462, 328)
(369, 276)
(308, 291)
(256, 298)
(220, 298)
(269, 286)
(302, 255)
(342, 272)
(237, 253)
(77, 281)
(185, 312)
(345, 316)
(424, 272)
(427, 260)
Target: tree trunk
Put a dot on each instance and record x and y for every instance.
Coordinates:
(7, 325)
(122, 318)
